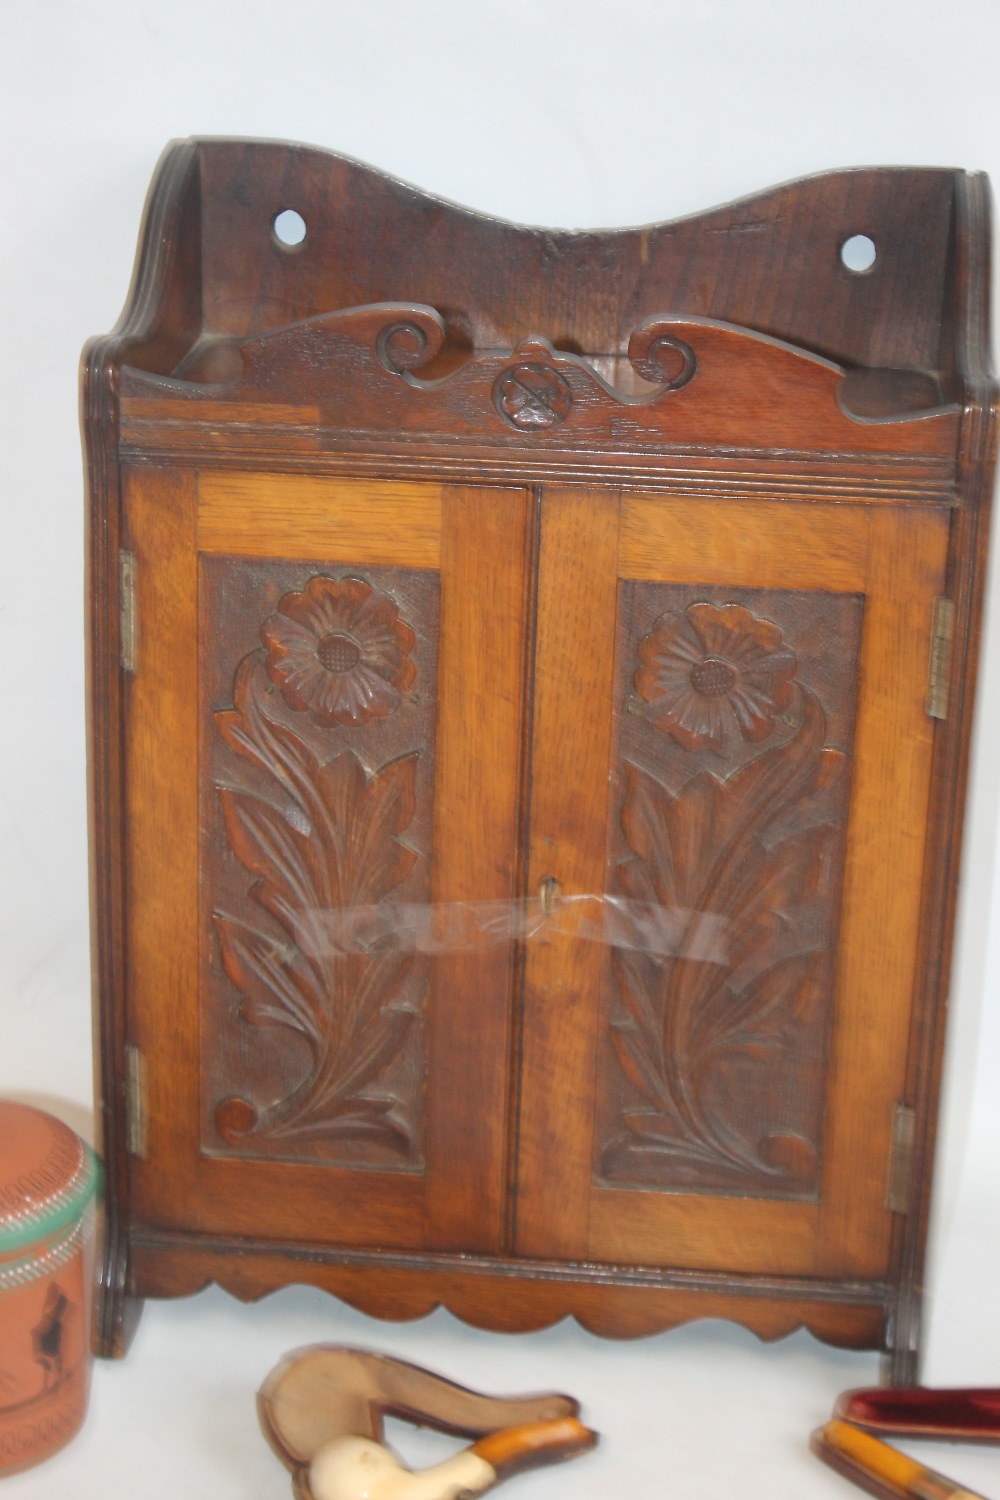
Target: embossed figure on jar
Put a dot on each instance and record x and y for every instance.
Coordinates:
(48, 1336)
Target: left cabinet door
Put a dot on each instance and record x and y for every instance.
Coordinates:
(322, 725)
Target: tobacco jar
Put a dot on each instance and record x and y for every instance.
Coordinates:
(48, 1188)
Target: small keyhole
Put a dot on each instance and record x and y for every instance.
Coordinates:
(548, 890)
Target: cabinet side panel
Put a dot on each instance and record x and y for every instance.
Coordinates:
(731, 778)
(317, 693)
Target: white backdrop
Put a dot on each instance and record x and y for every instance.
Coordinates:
(568, 112)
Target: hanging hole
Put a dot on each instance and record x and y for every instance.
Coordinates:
(289, 228)
(858, 253)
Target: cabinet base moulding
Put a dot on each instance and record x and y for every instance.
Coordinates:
(512, 1296)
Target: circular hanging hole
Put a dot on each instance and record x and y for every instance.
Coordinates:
(289, 228)
(858, 253)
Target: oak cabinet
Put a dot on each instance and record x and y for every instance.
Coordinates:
(531, 684)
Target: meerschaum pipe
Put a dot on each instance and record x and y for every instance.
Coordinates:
(322, 1411)
(355, 1468)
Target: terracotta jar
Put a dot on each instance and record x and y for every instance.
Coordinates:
(48, 1183)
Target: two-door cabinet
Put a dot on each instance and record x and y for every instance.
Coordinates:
(531, 678)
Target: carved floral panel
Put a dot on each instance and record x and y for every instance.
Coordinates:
(318, 686)
(726, 844)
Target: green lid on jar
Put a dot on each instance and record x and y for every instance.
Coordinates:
(47, 1176)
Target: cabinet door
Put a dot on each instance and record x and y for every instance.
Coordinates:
(322, 744)
(731, 750)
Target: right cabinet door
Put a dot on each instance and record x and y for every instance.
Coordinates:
(730, 772)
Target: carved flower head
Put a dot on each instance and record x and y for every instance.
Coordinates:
(713, 668)
(339, 650)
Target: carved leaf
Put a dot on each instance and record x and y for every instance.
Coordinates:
(330, 841)
(278, 985)
(268, 845)
(711, 849)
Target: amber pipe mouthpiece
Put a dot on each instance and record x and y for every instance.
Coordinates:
(514, 1448)
(898, 1473)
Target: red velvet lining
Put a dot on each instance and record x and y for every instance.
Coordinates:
(964, 1413)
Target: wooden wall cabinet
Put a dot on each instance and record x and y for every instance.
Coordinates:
(531, 678)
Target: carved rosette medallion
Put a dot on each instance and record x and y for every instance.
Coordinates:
(339, 651)
(532, 396)
(714, 670)
(719, 1042)
(322, 839)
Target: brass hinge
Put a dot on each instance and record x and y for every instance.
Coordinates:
(902, 1159)
(126, 609)
(135, 1102)
(942, 628)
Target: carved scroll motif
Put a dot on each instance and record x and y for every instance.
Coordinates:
(712, 1042)
(324, 837)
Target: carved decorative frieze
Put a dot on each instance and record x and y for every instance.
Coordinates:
(398, 368)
